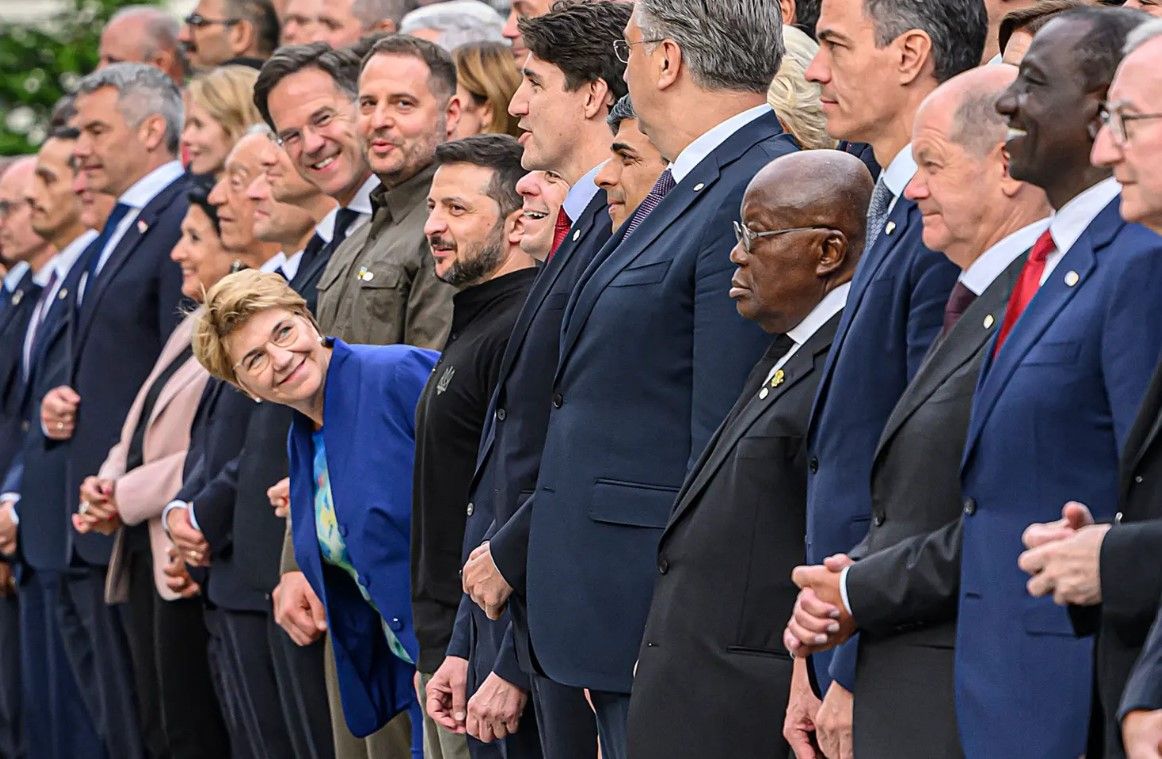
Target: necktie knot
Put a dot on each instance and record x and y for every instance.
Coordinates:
(1042, 248)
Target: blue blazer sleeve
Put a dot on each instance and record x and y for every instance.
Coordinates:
(14, 475)
(461, 643)
(214, 506)
(510, 545)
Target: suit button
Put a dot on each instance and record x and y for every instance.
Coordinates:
(1119, 517)
(500, 415)
(395, 624)
(813, 465)
(558, 400)
(1138, 479)
(364, 580)
(343, 530)
(471, 508)
(878, 520)
(24, 426)
(663, 565)
(969, 506)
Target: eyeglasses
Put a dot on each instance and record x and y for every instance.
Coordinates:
(291, 138)
(198, 21)
(744, 235)
(1114, 117)
(284, 335)
(621, 47)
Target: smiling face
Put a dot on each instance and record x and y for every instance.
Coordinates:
(543, 192)
(549, 115)
(277, 220)
(235, 209)
(205, 141)
(629, 175)
(401, 121)
(200, 253)
(465, 229)
(278, 358)
(316, 122)
(55, 208)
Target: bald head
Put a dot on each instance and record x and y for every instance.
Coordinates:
(143, 34)
(819, 200)
(965, 107)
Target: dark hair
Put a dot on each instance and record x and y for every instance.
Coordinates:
(578, 37)
(341, 65)
(1102, 49)
(198, 188)
(442, 76)
(261, 15)
(64, 111)
(64, 133)
(622, 110)
(1034, 17)
(807, 15)
(957, 28)
(499, 152)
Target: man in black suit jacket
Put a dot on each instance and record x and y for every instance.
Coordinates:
(984, 222)
(737, 529)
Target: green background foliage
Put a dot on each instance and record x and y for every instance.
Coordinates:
(40, 62)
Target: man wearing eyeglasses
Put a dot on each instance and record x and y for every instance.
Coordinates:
(221, 32)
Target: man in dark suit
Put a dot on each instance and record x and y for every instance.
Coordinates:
(984, 222)
(737, 528)
(1058, 394)
(126, 304)
(513, 438)
(588, 536)
(898, 294)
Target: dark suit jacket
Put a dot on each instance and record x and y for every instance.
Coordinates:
(894, 312)
(14, 321)
(903, 681)
(653, 355)
(724, 578)
(510, 450)
(1144, 687)
(122, 323)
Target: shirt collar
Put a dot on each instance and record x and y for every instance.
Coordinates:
(985, 269)
(580, 194)
(146, 189)
(832, 303)
(326, 226)
(290, 264)
(1072, 219)
(14, 275)
(706, 144)
(273, 263)
(362, 200)
(900, 171)
(404, 197)
(67, 257)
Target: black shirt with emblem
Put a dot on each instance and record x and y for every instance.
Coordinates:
(449, 421)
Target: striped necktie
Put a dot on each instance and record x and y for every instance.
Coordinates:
(660, 190)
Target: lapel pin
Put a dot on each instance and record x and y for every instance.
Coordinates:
(779, 378)
(576, 235)
(141, 226)
(17, 297)
(890, 228)
(1072, 278)
(698, 187)
(989, 321)
(64, 293)
(364, 275)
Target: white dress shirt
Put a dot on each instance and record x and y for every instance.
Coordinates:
(14, 275)
(272, 264)
(581, 193)
(898, 174)
(361, 203)
(290, 264)
(832, 303)
(1072, 219)
(984, 270)
(138, 197)
(709, 141)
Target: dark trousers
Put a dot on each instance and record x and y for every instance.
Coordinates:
(94, 639)
(11, 735)
(252, 672)
(189, 700)
(302, 693)
(564, 720)
(612, 723)
(226, 685)
(139, 618)
(56, 723)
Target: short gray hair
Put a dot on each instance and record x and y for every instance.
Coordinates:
(622, 110)
(734, 45)
(261, 128)
(957, 28)
(1143, 34)
(371, 12)
(459, 22)
(142, 91)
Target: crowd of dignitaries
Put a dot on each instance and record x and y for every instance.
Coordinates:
(337, 421)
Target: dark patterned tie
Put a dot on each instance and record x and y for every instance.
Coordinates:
(661, 188)
(877, 212)
(958, 302)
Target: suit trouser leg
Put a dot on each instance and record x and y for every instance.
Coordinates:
(139, 616)
(258, 689)
(189, 701)
(302, 692)
(11, 739)
(612, 723)
(565, 722)
(226, 685)
(94, 635)
(392, 741)
(48, 685)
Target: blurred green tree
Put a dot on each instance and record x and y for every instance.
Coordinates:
(43, 60)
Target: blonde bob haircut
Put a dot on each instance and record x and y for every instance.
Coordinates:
(487, 72)
(796, 100)
(232, 302)
(227, 94)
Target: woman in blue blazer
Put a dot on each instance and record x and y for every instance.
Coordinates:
(351, 449)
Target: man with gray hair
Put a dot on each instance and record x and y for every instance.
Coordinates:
(144, 34)
(454, 23)
(221, 32)
(129, 116)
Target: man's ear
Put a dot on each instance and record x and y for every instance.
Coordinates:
(452, 116)
(833, 255)
(151, 132)
(242, 37)
(514, 227)
(788, 9)
(598, 98)
(915, 55)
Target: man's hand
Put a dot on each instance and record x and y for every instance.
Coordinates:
(819, 621)
(1070, 568)
(58, 412)
(1142, 734)
(494, 710)
(833, 723)
(279, 495)
(447, 693)
(177, 576)
(1074, 516)
(98, 510)
(298, 610)
(484, 583)
(7, 580)
(188, 539)
(799, 724)
(8, 533)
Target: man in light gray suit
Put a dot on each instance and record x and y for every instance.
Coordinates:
(985, 222)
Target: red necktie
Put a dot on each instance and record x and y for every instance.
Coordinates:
(560, 232)
(1027, 286)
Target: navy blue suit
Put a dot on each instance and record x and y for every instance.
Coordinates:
(369, 430)
(653, 355)
(894, 312)
(1050, 418)
(14, 321)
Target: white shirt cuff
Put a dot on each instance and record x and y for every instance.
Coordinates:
(843, 590)
(15, 498)
(165, 514)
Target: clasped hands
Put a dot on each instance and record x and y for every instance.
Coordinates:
(493, 712)
(1064, 557)
(484, 583)
(819, 620)
(189, 540)
(98, 511)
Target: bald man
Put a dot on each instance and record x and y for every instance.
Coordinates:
(143, 34)
(737, 528)
(984, 221)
